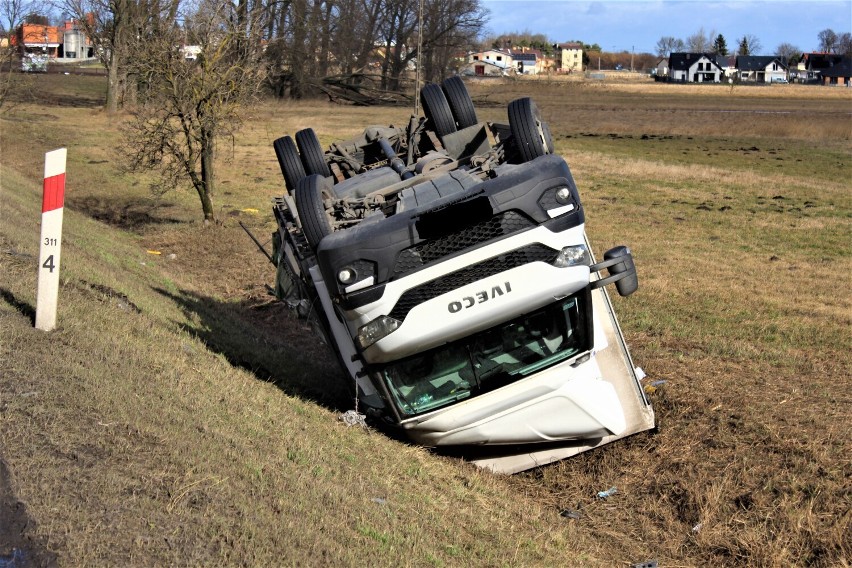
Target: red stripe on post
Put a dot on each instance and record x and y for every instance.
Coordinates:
(54, 193)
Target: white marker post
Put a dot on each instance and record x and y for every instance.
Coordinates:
(53, 202)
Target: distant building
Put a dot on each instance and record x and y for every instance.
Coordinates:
(760, 69)
(37, 39)
(480, 68)
(694, 68)
(571, 57)
(526, 61)
(498, 57)
(55, 42)
(190, 52)
(75, 43)
(825, 68)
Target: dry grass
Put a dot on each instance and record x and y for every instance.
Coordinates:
(179, 408)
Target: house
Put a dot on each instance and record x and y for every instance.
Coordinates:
(481, 68)
(694, 68)
(37, 39)
(825, 68)
(526, 61)
(497, 57)
(56, 42)
(728, 63)
(661, 70)
(190, 52)
(571, 60)
(760, 69)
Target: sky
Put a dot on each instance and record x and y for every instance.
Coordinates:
(618, 25)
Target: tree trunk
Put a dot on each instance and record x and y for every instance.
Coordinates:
(112, 85)
(205, 188)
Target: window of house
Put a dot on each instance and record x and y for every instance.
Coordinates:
(476, 58)
(499, 58)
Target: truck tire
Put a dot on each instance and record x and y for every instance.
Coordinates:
(437, 110)
(532, 136)
(311, 191)
(460, 102)
(289, 161)
(313, 157)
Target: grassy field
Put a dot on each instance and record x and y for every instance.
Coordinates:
(178, 416)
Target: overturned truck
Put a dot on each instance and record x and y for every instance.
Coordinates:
(447, 265)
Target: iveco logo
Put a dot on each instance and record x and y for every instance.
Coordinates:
(479, 298)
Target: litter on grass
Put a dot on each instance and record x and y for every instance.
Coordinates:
(608, 493)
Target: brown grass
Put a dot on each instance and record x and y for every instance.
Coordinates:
(177, 416)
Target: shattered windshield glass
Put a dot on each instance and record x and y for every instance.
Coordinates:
(490, 359)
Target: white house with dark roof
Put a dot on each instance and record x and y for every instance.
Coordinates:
(694, 68)
(760, 68)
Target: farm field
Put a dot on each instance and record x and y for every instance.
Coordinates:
(180, 416)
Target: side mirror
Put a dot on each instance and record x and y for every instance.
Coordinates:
(619, 263)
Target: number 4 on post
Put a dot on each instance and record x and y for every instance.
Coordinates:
(53, 201)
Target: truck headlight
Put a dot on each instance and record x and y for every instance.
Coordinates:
(575, 255)
(380, 327)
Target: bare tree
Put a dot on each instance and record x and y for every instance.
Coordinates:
(186, 104)
(303, 41)
(667, 45)
(448, 25)
(700, 42)
(844, 43)
(748, 45)
(355, 28)
(789, 53)
(827, 41)
(113, 26)
(12, 15)
(308, 39)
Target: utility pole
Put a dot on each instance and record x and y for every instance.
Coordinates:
(632, 51)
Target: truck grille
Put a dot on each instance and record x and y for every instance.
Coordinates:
(497, 226)
(434, 288)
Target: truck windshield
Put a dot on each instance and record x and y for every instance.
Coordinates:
(490, 359)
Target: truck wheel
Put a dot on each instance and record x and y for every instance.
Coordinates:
(312, 155)
(289, 161)
(437, 110)
(311, 191)
(532, 136)
(460, 102)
